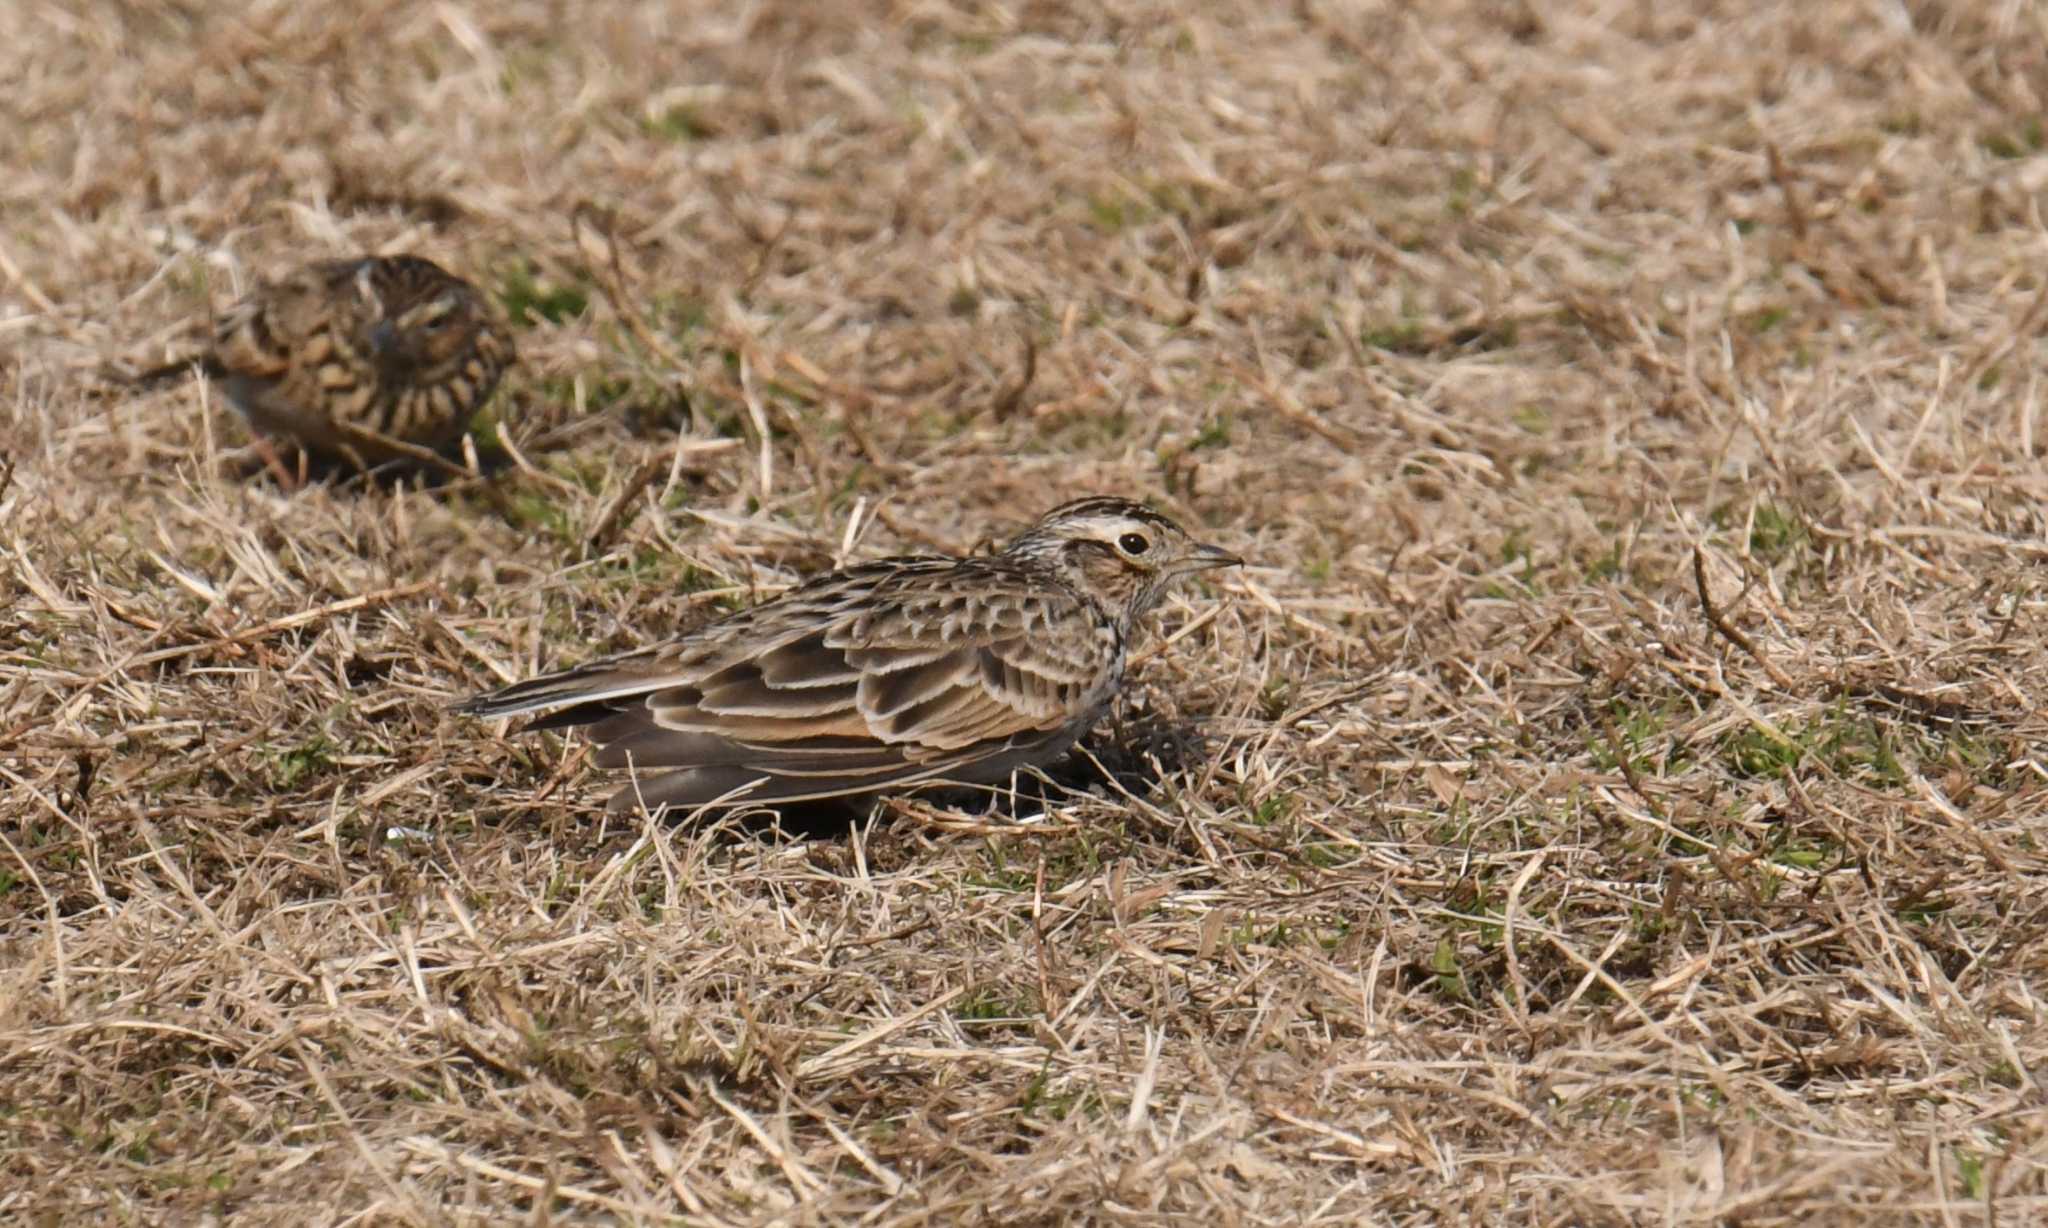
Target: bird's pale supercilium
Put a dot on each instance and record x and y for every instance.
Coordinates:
(887, 676)
(362, 359)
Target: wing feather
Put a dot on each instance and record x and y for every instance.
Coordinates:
(894, 673)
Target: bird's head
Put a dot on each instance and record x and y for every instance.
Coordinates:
(1123, 553)
(423, 323)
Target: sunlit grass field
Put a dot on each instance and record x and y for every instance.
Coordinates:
(1613, 794)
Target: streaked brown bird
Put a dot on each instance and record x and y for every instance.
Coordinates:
(367, 360)
(897, 674)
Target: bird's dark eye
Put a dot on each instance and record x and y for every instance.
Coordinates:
(1133, 543)
(438, 315)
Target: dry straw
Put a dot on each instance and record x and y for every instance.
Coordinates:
(1613, 797)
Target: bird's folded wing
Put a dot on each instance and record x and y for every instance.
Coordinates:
(889, 680)
(246, 341)
(872, 719)
(897, 672)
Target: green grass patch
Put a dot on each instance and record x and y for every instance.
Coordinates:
(309, 758)
(680, 123)
(527, 299)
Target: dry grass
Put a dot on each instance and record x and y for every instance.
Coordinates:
(1503, 886)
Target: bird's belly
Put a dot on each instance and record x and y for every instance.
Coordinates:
(270, 407)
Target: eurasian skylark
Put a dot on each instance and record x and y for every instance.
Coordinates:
(368, 360)
(896, 674)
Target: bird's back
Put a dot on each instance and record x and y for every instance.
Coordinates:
(890, 673)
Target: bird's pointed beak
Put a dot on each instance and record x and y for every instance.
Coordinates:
(1204, 557)
(383, 336)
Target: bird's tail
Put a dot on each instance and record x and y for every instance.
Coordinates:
(597, 684)
(138, 375)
